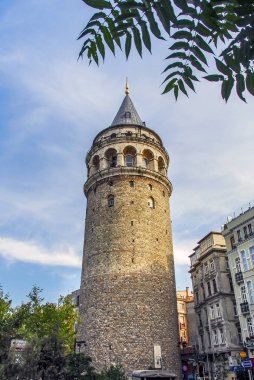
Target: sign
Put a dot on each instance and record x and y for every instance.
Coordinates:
(157, 356)
(247, 364)
(243, 354)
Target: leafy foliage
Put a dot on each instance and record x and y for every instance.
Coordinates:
(196, 31)
(113, 373)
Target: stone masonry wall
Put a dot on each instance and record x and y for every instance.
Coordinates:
(128, 298)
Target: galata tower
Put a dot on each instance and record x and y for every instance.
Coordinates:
(128, 300)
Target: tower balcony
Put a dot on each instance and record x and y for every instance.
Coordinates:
(245, 309)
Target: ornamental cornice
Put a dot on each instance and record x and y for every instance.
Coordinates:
(119, 171)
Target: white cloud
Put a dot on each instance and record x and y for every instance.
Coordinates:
(182, 251)
(16, 250)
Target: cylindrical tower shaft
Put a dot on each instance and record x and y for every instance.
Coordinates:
(128, 311)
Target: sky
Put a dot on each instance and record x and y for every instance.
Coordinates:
(52, 106)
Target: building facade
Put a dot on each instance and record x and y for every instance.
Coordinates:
(128, 298)
(239, 237)
(183, 298)
(218, 342)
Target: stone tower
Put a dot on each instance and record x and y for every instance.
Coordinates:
(128, 298)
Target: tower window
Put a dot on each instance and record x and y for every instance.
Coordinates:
(111, 201)
(113, 135)
(151, 202)
(132, 223)
(127, 115)
(148, 159)
(163, 193)
(130, 155)
(111, 155)
(150, 187)
(131, 183)
(129, 160)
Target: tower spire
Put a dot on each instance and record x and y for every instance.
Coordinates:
(127, 87)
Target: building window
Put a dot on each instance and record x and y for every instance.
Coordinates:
(244, 260)
(151, 202)
(145, 162)
(243, 294)
(111, 200)
(150, 187)
(222, 337)
(245, 232)
(251, 249)
(239, 237)
(214, 286)
(238, 264)
(250, 326)
(148, 159)
(250, 229)
(212, 312)
(232, 242)
(131, 183)
(250, 291)
(218, 310)
(130, 154)
(209, 289)
(111, 156)
(235, 309)
(215, 337)
(129, 160)
(206, 268)
(212, 266)
(113, 135)
(239, 332)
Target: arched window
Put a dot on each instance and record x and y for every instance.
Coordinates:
(111, 155)
(151, 202)
(113, 135)
(150, 186)
(161, 165)
(96, 162)
(148, 159)
(130, 155)
(111, 200)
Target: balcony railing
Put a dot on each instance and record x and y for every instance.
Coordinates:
(239, 277)
(245, 307)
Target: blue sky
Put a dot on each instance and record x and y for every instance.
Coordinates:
(51, 108)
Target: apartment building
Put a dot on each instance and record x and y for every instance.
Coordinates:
(218, 339)
(239, 237)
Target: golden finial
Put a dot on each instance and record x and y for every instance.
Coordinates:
(127, 87)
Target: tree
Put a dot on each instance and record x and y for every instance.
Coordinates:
(79, 366)
(113, 373)
(195, 29)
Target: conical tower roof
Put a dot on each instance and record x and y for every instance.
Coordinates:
(127, 113)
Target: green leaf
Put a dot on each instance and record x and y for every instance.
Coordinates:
(176, 90)
(182, 34)
(98, 4)
(189, 83)
(146, 36)
(98, 15)
(85, 32)
(196, 64)
(240, 86)
(100, 45)
(162, 17)
(108, 38)
(128, 44)
(226, 88)
(202, 44)
(199, 54)
(185, 23)
(222, 67)
(177, 54)
(172, 65)
(201, 29)
(171, 75)
(153, 25)
(137, 40)
(169, 10)
(179, 45)
(250, 82)
(214, 77)
(182, 87)
(169, 86)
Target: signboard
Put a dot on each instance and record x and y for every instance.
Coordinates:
(247, 364)
(157, 355)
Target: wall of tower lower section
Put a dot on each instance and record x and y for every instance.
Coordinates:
(128, 298)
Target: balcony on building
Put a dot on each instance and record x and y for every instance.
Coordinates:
(245, 307)
(239, 277)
